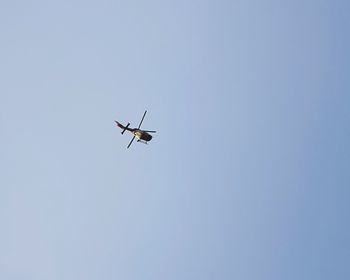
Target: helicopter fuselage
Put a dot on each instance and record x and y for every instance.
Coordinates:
(142, 135)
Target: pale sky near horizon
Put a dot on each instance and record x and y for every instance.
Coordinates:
(247, 176)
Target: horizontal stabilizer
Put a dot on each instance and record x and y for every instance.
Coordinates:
(125, 128)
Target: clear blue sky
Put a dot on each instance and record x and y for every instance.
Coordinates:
(248, 176)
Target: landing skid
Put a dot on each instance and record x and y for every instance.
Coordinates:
(144, 142)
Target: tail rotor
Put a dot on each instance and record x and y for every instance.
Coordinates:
(122, 126)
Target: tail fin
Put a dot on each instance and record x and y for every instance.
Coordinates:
(120, 125)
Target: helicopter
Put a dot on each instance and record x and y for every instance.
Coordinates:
(142, 136)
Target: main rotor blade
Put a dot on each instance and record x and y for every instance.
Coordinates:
(130, 142)
(142, 119)
(150, 131)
